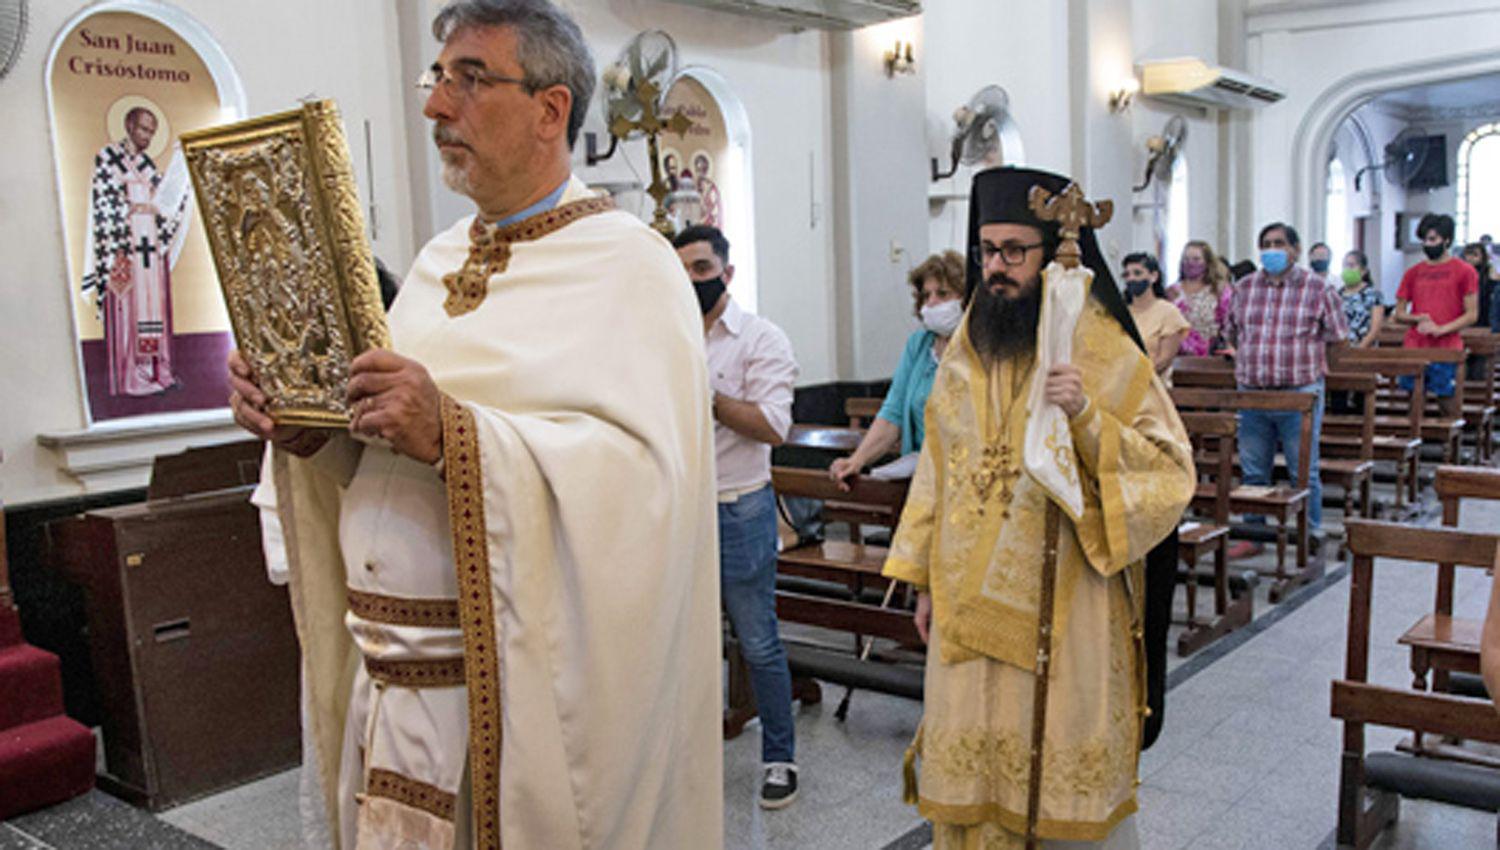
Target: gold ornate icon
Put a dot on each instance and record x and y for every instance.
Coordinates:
(283, 219)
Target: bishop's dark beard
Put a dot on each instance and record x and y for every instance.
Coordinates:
(1000, 328)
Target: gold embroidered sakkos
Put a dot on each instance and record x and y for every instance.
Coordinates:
(489, 250)
(977, 547)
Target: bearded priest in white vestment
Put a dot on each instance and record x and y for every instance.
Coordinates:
(509, 616)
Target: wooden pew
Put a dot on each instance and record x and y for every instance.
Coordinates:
(1285, 504)
(861, 410)
(1479, 394)
(842, 572)
(1441, 643)
(1354, 475)
(828, 438)
(1213, 436)
(1445, 432)
(1346, 460)
(1396, 440)
(1381, 778)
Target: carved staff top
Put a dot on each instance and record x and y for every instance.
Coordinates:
(1072, 212)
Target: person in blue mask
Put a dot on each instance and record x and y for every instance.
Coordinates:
(1281, 320)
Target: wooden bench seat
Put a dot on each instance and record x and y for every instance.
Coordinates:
(1213, 435)
(1442, 640)
(1287, 505)
(837, 557)
(1370, 790)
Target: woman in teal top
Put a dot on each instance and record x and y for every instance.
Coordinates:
(937, 290)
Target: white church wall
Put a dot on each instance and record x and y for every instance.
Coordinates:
(880, 191)
(1162, 29)
(978, 43)
(781, 78)
(282, 50)
(1327, 56)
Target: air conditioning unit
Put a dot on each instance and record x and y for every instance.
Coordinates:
(1193, 82)
(816, 14)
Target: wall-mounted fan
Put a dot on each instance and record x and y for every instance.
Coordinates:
(635, 85)
(12, 33)
(1163, 151)
(976, 132)
(1405, 156)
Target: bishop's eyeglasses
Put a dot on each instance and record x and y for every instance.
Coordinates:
(1010, 253)
(462, 82)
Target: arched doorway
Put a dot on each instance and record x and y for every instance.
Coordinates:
(1315, 133)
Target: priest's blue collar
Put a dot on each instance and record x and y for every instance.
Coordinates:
(537, 208)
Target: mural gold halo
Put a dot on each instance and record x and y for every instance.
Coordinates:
(114, 123)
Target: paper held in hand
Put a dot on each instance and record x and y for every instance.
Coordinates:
(282, 215)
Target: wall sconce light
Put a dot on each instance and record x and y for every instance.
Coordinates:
(1121, 98)
(899, 59)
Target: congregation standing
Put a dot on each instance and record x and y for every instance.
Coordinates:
(548, 448)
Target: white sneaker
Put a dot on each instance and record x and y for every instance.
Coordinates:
(779, 787)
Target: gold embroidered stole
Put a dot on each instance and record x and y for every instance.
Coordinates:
(489, 250)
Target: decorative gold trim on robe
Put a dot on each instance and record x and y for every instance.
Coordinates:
(439, 673)
(403, 611)
(489, 250)
(464, 473)
(411, 792)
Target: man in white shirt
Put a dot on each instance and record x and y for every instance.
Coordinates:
(751, 370)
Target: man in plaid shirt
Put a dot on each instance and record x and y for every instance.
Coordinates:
(1281, 320)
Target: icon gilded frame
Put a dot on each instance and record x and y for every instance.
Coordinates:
(282, 214)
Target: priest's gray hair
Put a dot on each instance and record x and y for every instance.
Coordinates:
(549, 45)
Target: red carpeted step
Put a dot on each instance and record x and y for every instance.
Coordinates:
(10, 626)
(31, 680)
(44, 763)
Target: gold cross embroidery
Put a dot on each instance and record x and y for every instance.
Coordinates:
(489, 250)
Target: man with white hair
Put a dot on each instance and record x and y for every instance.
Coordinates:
(504, 578)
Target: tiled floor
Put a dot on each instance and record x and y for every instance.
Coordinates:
(1248, 757)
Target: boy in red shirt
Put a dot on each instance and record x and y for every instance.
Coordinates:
(1438, 297)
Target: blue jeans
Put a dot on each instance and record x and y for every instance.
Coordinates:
(747, 575)
(1261, 431)
(1437, 380)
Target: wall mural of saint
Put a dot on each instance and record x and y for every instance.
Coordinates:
(151, 327)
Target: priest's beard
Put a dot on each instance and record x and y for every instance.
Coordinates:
(456, 177)
(1001, 328)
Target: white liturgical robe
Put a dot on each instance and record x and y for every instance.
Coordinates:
(524, 649)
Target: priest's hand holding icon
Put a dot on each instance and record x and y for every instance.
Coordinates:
(1064, 388)
(394, 398)
(248, 403)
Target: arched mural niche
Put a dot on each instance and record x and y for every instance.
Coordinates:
(124, 79)
(714, 161)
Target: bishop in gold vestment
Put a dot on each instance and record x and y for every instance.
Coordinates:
(972, 535)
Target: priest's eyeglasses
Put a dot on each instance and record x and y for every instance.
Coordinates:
(1010, 253)
(462, 82)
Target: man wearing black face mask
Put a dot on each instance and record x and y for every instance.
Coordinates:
(1438, 297)
(752, 370)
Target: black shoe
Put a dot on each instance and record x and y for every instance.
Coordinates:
(779, 788)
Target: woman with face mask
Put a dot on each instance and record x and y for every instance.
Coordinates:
(1161, 324)
(1362, 307)
(1202, 293)
(937, 287)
